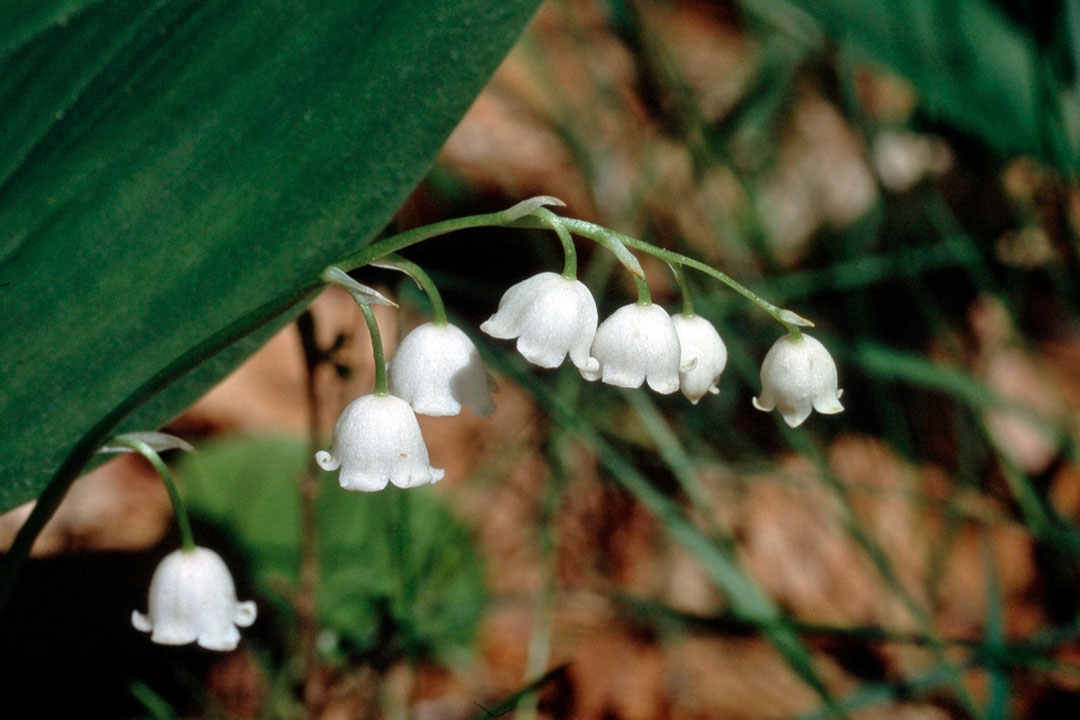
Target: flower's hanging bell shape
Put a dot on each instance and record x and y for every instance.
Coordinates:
(437, 369)
(551, 316)
(703, 356)
(193, 599)
(377, 441)
(637, 344)
(797, 376)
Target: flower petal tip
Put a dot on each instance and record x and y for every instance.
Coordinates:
(140, 621)
(495, 329)
(246, 612)
(793, 420)
(664, 387)
(829, 406)
(327, 461)
(591, 370)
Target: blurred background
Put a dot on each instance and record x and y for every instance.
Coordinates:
(900, 172)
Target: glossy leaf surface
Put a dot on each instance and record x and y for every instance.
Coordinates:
(176, 171)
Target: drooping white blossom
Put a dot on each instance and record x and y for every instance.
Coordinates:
(798, 376)
(377, 441)
(551, 316)
(193, 599)
(437, 369)
(637, 344)
(703, 357)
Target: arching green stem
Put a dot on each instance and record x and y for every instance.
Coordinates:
(187, 541)
(376, 350)
(569, 251)
(396, 243)
(438, 310)
(788, 319)
(684, 288)
(644, 297)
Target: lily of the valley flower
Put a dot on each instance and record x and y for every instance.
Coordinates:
(193, 599)
(377, 441)
(551, 317)
(437, 369)
(797, 376)
(703, 356)
(637, 343)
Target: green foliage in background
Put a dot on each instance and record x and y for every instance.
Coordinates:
(174, 173)
(974, 66)
(249, 486)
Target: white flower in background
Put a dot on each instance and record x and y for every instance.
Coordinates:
(438, 369)
(703, 357)
(377, 441)
(551, 317)
(797, 376)
(193, 599)
(902, 158)
(638, 343)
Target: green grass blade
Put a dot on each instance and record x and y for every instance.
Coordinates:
(509, 703)
(998, 700)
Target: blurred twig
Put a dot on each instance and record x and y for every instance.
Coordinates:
(306, 599)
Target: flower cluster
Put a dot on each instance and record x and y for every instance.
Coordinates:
(377, 440)
(552, 317)
(638, 344)
(437, 370)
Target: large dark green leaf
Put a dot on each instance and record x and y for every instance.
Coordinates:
(21, 20)
(974, 67)
(40, 81)
(173, 174)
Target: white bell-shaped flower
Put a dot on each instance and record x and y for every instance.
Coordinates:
(437, 369)
(377, 441)
(193, 599)
(703, 357)
(551, 317)
(796, 377)
(637, 343)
